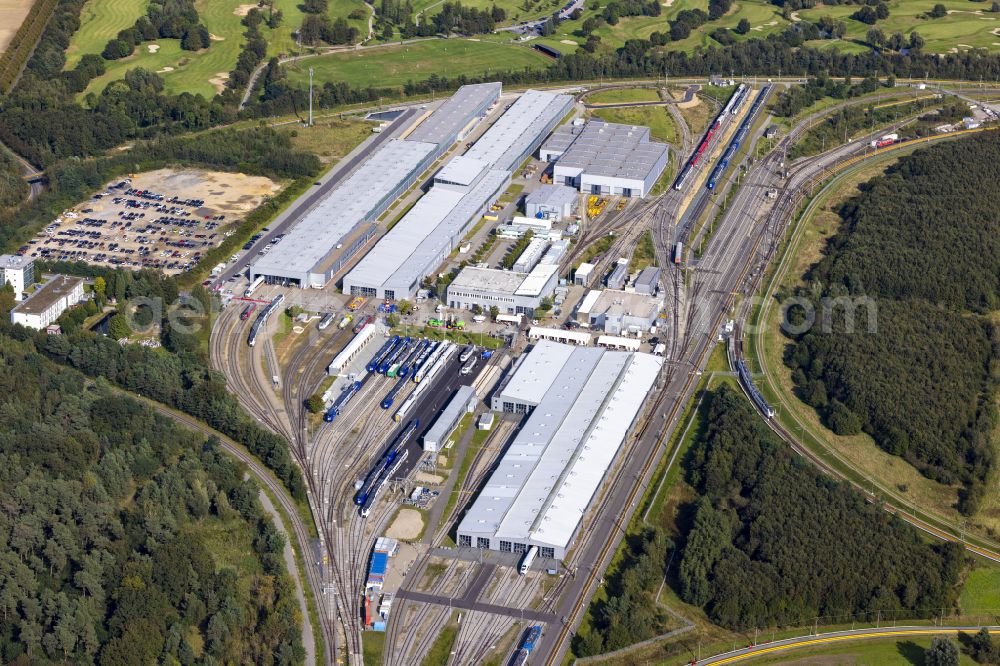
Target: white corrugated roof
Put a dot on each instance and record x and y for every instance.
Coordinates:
(545, 481)
(536, 280)
(348, 204)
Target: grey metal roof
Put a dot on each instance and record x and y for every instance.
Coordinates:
(610, 149)
(552, 195)
(516, 132)
(448, 119)
(449, 417)
(649, 276)
(461, 170)
(542, 486)
(45, 296)
(487, 279)
(417, 243)
(354, 201)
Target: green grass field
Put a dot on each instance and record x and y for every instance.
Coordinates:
(200, 72)
(961, 30)
(623, 96)
(656, 118)
(876, 652)
(395, 65)
(981, 591)
(970, 25)
(100, 21)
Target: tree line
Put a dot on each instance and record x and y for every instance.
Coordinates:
(921, 243)
(112, 530)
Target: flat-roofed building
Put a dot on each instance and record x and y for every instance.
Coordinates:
(619, 312)
(606, 158)
(583, 401)
(552, 202)
(456, 116)
(463, 402)
(17, 271)
(648, 281)
(520, 130)
(463, 190)
(50, 300)
(342, 223)
(511, 292)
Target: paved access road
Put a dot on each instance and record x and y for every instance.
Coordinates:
(833, 638)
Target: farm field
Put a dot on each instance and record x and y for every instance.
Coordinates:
(395, 65)
(12, 13)
(202, 72)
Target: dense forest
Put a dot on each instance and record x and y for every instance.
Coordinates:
(923, 242)
(775, 542)
(13, 189)
(128, 540)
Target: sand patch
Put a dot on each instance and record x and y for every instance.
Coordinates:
(216, 38)
(243, 10)
(407, 525)
(977, 12)
(996, 31)
(966, 46)
(795, 17)
(424, 477)
(219, 81)
(567, 41)
(668, 3)
(153, 48)
(164, 70)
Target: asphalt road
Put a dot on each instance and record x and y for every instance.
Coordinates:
(285, 220)
(837, 637)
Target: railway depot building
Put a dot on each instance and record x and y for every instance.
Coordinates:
(512, 292)
(340, 224)
(461, 193)
(605, 158)
(581, 402)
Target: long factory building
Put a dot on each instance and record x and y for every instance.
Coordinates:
(323, 241)
(581, 402)
(462, 191)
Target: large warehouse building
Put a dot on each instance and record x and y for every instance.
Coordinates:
(606, 158)
(461, 193)
(340, 224)
(583, 402)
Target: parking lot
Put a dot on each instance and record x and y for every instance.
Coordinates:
(164, 219)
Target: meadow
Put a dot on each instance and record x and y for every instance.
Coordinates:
(12, 13)
(202, 72)
(395, 65)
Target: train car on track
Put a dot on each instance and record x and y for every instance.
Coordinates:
(325, 322)
(253, 286)
(678, 253)
(345, 396)
(262, 318)
(380, 355)
(738, 139)
(384, 463)
(751, 389)
(247, 311)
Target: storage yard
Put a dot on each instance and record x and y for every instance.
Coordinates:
(164, 219)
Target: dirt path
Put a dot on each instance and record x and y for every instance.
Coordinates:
(308, 639)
